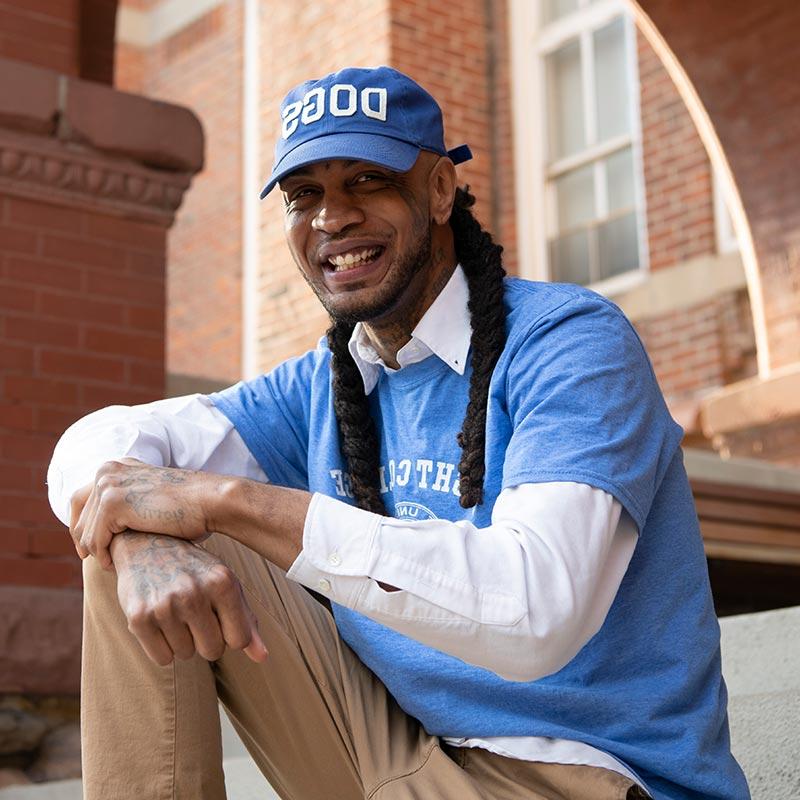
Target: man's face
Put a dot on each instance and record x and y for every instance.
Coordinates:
(361, 235)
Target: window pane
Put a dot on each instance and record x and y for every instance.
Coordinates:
(611, 75)
(565, 101)
(569, 258)
(619, 177)
(553, 9)
(575, 198)
(618, 246)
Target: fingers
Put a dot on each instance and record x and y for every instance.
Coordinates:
(256, 650)
(179, 638)
(90, 534)
(179, 604)
(77, 505)
(94, 538)
(143, 627)
(238, 623)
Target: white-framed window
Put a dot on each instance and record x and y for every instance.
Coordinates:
(580, 205)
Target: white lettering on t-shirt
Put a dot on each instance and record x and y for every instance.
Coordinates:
(444, 477)
(382, 473)
(444, 472)
(424, 467)
(405, 467)
(336, 474)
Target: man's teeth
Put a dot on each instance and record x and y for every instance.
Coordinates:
(350, 260)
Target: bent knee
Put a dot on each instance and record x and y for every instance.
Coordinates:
(98, 583)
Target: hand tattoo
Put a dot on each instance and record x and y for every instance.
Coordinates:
(162, 560)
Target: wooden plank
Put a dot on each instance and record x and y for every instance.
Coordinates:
(752, 552)
(733, 532)
(772, 497)
(750, 512)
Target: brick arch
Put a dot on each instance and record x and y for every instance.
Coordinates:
(734, 63)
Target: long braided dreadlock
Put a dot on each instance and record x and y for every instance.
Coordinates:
(481, 260)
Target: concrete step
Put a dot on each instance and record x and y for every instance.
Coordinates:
(242, 780)
(761, 665)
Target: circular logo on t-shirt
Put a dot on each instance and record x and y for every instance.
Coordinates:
(405, 509)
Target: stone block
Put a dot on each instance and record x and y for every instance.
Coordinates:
(28, 97)
(59, 755)
(40, 640)
(156, 134)
(20, 731)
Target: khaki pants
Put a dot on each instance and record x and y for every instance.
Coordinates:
(318, 723)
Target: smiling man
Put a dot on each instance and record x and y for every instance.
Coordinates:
(476, 477)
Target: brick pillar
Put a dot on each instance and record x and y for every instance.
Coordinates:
(90, 179)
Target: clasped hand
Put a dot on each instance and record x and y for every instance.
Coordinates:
(131, 495)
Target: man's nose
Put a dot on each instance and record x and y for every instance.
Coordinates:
(336, 213)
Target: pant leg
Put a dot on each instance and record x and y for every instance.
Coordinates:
(315, 719)
(146, 731)
(496, 777)
(317, 722)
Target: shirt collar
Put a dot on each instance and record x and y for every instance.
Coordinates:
(443, 331)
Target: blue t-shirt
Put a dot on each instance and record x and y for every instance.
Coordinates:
(573, 398)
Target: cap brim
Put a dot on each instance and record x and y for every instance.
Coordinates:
(381, 150)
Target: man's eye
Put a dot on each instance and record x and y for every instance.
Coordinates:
(299, 194)
(368, 176)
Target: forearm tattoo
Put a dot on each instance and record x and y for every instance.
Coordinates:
(142, 483)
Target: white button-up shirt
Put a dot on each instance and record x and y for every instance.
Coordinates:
(560, 549)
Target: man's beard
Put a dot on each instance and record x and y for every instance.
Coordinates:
(409, 265)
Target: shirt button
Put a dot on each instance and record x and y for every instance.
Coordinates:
(334, 559)
(324, 586)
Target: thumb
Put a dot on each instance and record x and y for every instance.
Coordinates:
(256, 650)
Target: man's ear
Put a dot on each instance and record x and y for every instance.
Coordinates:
(442, 190)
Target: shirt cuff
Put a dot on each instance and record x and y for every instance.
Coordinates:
(338, 549)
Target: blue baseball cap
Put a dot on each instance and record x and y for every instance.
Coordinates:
(377, 115)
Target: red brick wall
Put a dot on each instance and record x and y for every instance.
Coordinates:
(41, 32)
(81, 326)
(701, 346)
(201, 67)
(443, 46)
(459, 52)
(677, 172)
(742, 58)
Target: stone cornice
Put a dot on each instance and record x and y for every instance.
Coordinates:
(45, 168)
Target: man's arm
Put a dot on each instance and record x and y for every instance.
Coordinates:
(185, 432)
(172, 592)
(520, 597)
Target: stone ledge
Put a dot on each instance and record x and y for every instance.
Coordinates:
(150, 132)
(43, 168)
(40, 640)
(752, 403)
